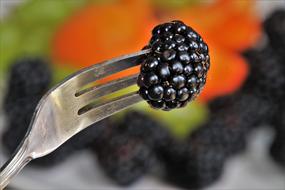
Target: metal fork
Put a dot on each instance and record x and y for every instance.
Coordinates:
(64, 110)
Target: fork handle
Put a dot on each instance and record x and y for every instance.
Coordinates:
(13, 166)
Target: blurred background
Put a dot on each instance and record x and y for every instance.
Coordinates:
(231, 137)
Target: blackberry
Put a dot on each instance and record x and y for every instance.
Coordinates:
(193, 165)
(232, 117)
(139, 136)
(175, 71)
(142, 126)
(274, 26)
(246, 109)
(125, 152)
(18, 117)
(28, 77)
(229, 139)
(266, 77)
(277, 150)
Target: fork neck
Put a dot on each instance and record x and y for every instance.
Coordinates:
(13, 166)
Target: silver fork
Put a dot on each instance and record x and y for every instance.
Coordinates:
(64, 110)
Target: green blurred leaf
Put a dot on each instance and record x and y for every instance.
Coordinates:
(174, 3)
(27, 31)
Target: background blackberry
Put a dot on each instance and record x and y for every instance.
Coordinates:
(175, 71)
(274, 26)
(277, 150)
(231, 119)
(28, 77)
(18, 114)
(125, 152)
(192, 164)
(28, 82)
(266, 73)
(143, 126)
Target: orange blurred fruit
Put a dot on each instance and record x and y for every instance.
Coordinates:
(102, 31)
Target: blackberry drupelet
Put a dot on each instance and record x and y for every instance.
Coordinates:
(175, 71)
(274, 26)
(125, 152)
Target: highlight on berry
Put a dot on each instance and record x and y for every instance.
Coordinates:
(175, 71)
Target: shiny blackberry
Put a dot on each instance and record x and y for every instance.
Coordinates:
(274, 26)
(175, 70)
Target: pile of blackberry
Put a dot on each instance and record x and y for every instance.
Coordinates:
(29, 80)
(275, 29)
(175, 71)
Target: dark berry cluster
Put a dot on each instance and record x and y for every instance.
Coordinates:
(175, 71)
(274, 26)
(266, 73)
(192, 164)
(126, 152)
(277, 149)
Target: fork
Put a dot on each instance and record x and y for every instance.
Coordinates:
(67, 109)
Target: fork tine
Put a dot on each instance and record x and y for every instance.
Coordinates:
(107, 68)
(102, 111)
(95, 92)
